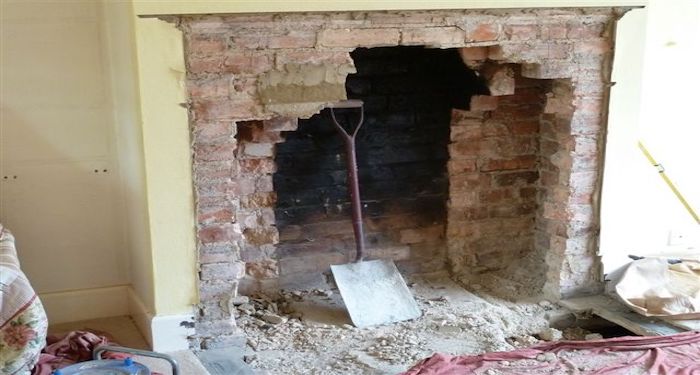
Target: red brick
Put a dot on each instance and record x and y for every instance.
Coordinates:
(210, 45)
(464, 199)
(483, 103)
(559, 105)
(495, 195)
(469, 182)
(495, 128)
(554, 31)
(501, 81)
(211, 132)
(484, 32)
(593, 47)
(521, 32)
(520, 162)
(585, 31)
(465, 150)
(384, 18)
(205, 64)
(242, 86)
(217, 234)
(474, 53)
(433, 36)
(214, 152)
(461, 166)
(238, 109)
(259, 200)
(461, 133)
(239, 62)
(294, 39)
(515, 178)
(217, 189)
(311, 56)
(466, 118)
(257, 166)
(209, 88)
(212, 215)
(213, 171)
(352, 38)
(253, 131)
(525, 127)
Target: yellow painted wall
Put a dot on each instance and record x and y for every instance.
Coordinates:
(120, 38)
(166, 140)
(56, 130)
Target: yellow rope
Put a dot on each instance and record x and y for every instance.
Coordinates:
(670, 184)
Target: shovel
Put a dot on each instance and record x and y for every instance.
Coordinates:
(373, 291)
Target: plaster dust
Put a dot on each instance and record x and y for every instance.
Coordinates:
(309, 332)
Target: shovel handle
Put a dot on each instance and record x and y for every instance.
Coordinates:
(353, 178)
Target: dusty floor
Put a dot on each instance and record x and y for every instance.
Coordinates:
(322, 341)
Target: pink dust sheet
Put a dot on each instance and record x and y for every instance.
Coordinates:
(670, 355)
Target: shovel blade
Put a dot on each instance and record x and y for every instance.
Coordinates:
(374, 293)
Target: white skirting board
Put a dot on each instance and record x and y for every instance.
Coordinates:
(84, 304)
(164, 333)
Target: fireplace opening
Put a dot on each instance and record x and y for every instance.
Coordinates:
(402, 150)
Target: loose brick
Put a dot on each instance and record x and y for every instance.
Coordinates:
(264, 269)
(280, 124)
(483, 32)
(474, 53)
(259, 149)
(359, 37)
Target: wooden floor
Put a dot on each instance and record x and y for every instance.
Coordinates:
(614, 311)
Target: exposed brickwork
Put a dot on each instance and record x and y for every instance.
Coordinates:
(233, 59)
(496, 195)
